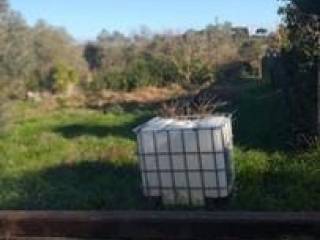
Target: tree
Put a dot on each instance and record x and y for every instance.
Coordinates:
(302, 19)
(93, 55)
(197, 54)
(301, 57)
(16, 55)
(53, 46)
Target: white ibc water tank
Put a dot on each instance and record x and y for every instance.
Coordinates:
(186, 160)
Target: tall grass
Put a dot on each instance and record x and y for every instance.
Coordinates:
(85, 159)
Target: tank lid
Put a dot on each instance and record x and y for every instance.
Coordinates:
(193, 122)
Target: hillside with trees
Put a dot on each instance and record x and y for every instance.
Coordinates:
(46, 58)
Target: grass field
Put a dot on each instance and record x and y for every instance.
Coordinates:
(85, 159)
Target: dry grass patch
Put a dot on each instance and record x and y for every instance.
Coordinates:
(145, 95)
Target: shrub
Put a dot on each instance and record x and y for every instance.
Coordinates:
(115, 80)
(139, 75)
(141, 72)
(61, 77)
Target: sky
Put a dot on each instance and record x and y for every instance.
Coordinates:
(84, 19)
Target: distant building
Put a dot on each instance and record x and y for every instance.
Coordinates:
(240, 32)
(262, 31)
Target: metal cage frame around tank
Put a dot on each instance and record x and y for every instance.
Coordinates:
(229, 168)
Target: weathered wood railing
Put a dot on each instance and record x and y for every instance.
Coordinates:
(156, 225)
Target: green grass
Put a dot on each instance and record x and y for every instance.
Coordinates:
(270, 174)
(69, 159)
(84, 159)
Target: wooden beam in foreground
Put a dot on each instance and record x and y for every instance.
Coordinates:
(156, 225)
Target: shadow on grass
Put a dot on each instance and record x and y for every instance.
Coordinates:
(96, 185)
(82, 129)
(261, 120)
(260, 124)
(88, 185)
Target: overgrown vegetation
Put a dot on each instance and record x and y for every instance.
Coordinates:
(39, 58)
(67, 109)
(299, 54)
(85, 159)
(190, 58)
(69, 159)
(43, 58)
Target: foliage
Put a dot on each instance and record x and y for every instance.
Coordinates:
(143, 70)
(61, 77)
(28, 54)
(300, 56)
(203, 103)
(83, 159)
(252, 52)
(115, 79)
(15, 47)
(53, 46)
(190, 58)
(302, 21)
(93, 55)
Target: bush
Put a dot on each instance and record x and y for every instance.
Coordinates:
(139, 75)
(232, 71)
(202, 74)
(141, 72)
(61, 77)
(115, 80)
(162, 71)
